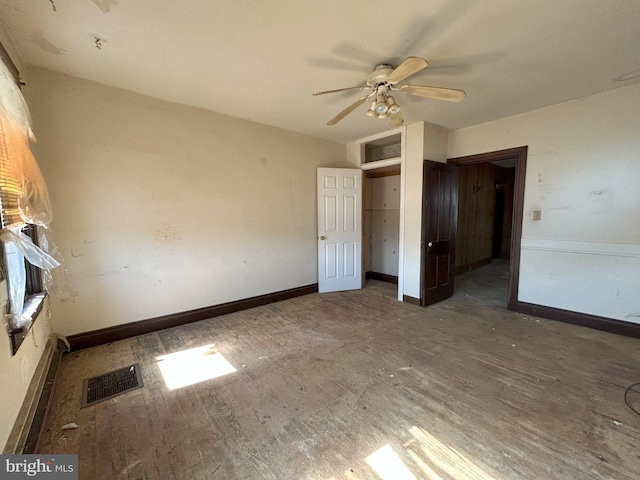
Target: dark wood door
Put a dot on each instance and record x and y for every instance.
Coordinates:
(439, 222)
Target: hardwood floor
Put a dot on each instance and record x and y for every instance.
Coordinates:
(356, 385)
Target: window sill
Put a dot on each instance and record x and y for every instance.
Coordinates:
(32, 307)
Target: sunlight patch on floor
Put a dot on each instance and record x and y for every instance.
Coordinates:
(192, 366)
(388, 465)
(430, 454)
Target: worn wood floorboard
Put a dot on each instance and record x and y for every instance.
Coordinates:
(332, 386)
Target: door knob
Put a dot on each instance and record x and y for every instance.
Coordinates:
(430, 244)
(322, 237)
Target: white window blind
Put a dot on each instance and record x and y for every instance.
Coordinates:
(11, 145)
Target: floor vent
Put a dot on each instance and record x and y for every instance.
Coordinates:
(112, 384)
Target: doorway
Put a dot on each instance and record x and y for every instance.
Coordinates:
(490, 214)
(381, 239)
(382, 159)
(485, 205)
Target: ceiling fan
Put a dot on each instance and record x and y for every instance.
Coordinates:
(385, 79)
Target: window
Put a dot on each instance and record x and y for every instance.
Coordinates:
(32, 294)
(34, 278)
(20, 188)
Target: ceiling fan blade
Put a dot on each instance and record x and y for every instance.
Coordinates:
(448, 94)
(348, 110)
(396, 120)
(364, 87)
(407, 68)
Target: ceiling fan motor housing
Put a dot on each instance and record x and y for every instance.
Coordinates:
(379, 75)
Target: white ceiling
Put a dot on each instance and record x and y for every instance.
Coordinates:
(261, 60)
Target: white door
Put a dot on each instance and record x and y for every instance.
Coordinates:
(339, 229)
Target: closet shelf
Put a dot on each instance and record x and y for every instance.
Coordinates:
(381, 163)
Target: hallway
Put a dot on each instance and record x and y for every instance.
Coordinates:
(487, 285)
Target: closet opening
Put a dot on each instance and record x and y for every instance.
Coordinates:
(382, 224)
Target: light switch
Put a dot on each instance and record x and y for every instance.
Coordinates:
(537, 214)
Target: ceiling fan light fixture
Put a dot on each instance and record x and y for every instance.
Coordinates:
(372, 109)
(381, 105)
(385, 79)
(381, 108)
(393, 107)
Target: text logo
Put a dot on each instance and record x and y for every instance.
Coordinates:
(51, 467)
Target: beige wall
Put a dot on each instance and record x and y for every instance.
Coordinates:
(161, 208)
(17, 371)
(583, 171)
(424, 141)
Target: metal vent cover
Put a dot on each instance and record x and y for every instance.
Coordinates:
(111, 384)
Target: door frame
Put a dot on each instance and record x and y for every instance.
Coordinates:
(359, 158)
(519, 154)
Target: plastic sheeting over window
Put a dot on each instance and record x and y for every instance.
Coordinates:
(24, 199)
(57, 280)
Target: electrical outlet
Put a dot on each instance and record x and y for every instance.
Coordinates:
(537, 214)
